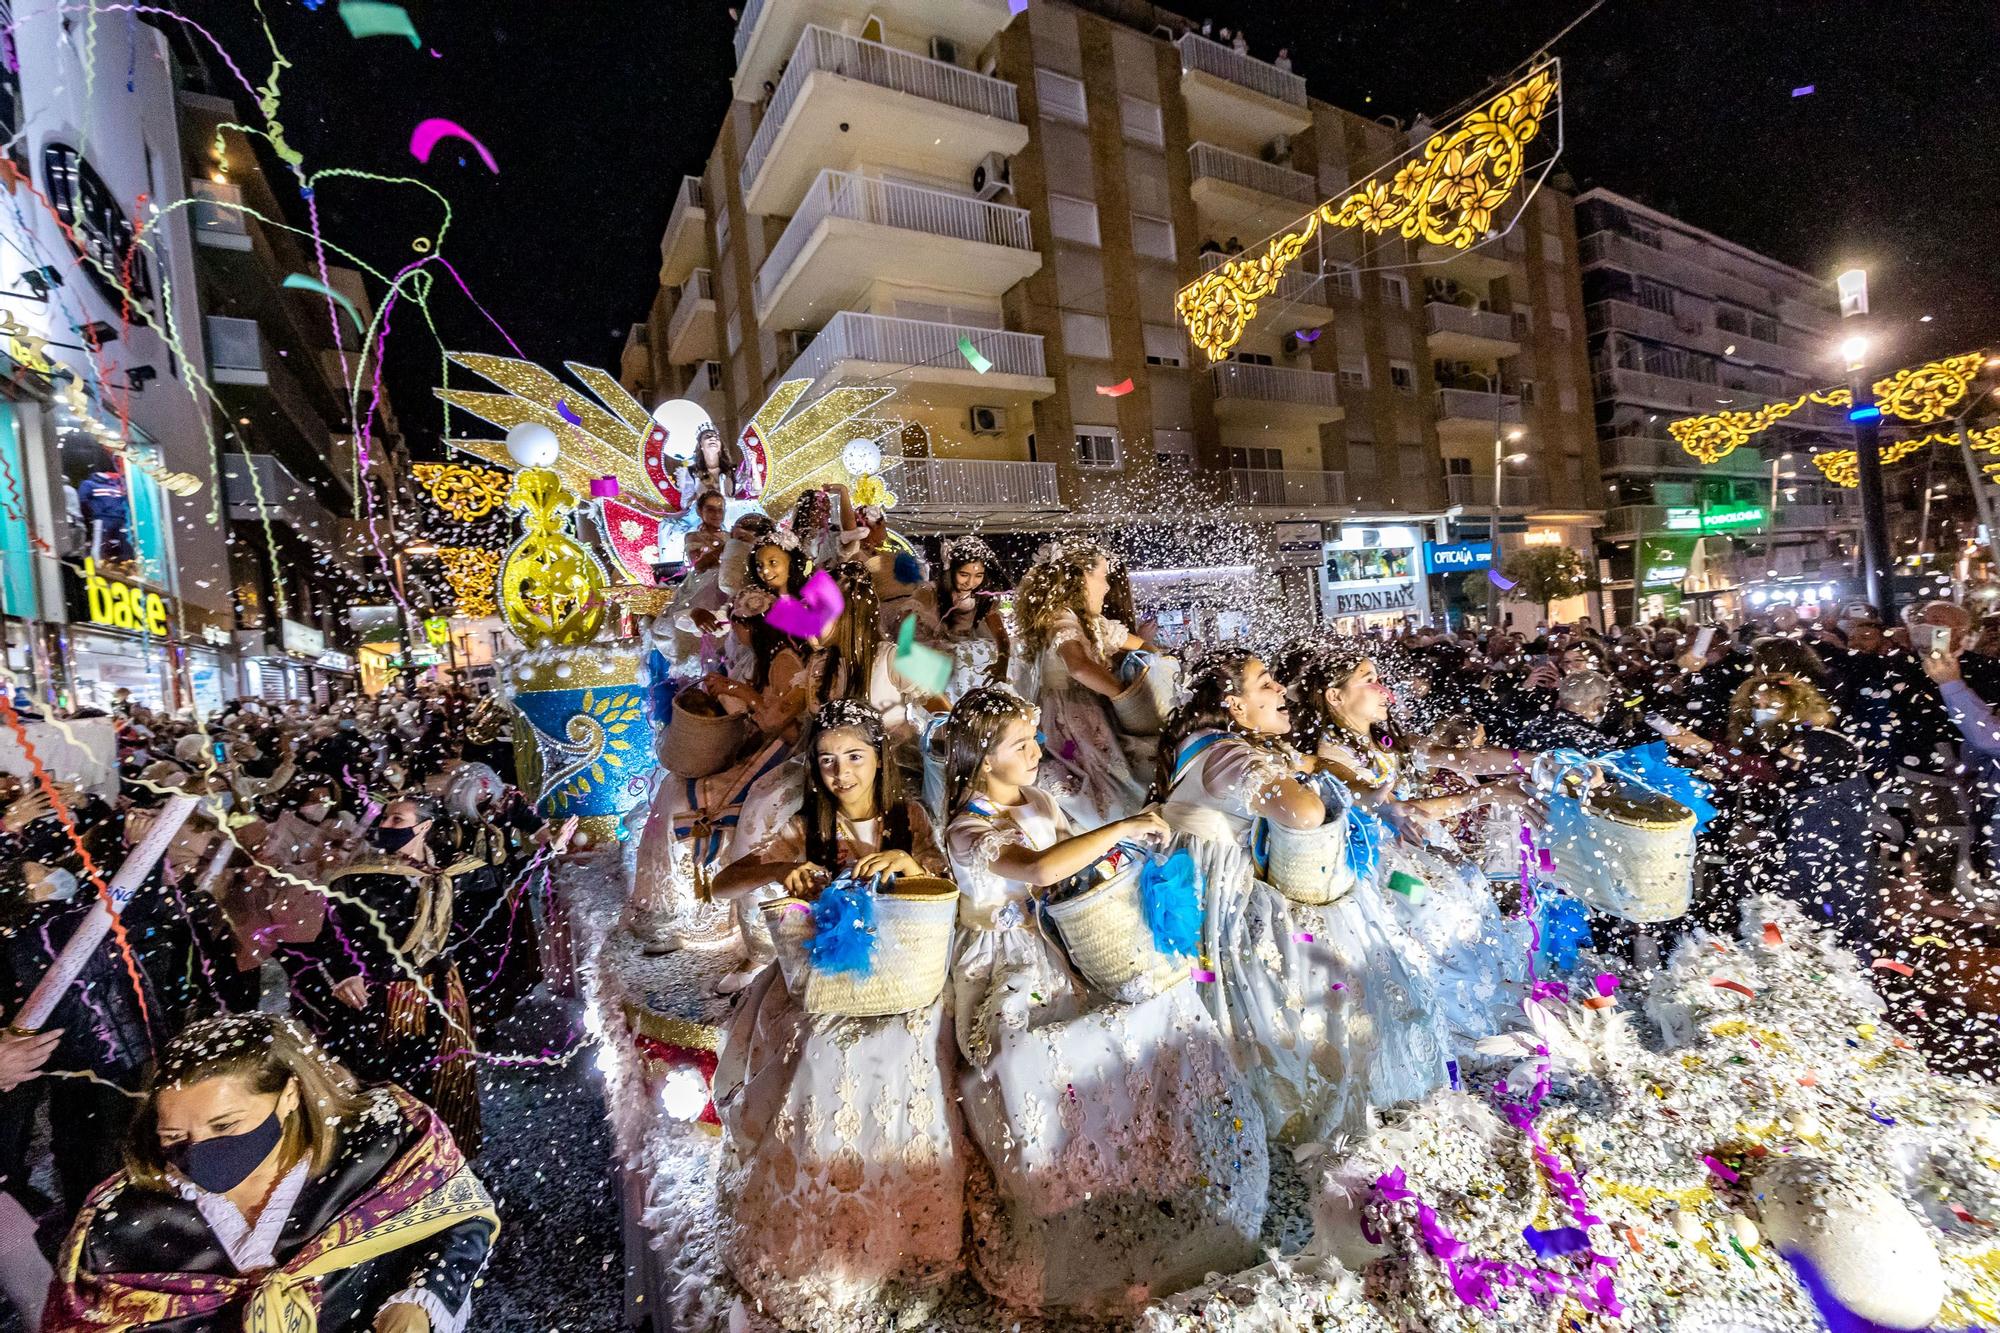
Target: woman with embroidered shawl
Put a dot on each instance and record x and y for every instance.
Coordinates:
(1124, 1153)
(264, 1190)
(841, 1185)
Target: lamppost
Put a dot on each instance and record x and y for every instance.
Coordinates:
(1867, 420)
(1500, 462)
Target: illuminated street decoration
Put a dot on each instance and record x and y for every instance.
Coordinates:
(472, 572)
(1839, 466)
(1446, 195)
(1917, 394)
(468, 494)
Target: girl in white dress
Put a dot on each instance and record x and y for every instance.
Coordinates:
(1125, 1155)
(1474, 958)
(1060, 605)
(1322, 1006)
(842, 1182)
(968, 594)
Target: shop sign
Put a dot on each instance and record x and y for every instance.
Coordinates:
(301, 639)
(1393, 536)
(1454, 557)
(334, 661)
(116, 604)
(1542, 537)
(1664, 561)
(1368, 601)
(438, 630)
(1730, 518)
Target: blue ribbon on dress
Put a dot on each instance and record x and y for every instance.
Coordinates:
(1365, 833)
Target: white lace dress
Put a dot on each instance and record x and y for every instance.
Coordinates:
(1473, 957)
(1325, 1008)
(841, 1188)
(1124, 1154)
(1090, 767)
(974, 650)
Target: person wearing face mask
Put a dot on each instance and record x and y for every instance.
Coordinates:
(263, 1188)
(398, 1006)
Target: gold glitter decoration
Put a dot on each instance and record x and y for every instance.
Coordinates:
(551, 588)
(1917, 394)
(471, 571)
(804, 448)
(468, 494)
(1840, 467)
(1446, 195)
(612, 394)
(603, 446)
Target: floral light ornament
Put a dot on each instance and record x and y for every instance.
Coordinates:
(1916, 394)
(1448, 195)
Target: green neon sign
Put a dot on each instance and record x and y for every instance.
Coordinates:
(1728, 519)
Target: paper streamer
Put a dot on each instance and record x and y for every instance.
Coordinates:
(1720, 1170)
(1118, 390)
(96, 924)
(1891, 965)
(604, 488)
(812, 612)
(370, 18)
(1504, 584)
(425, 137)
(299, 282)
(1736, 986)
(567, 413)
(1308, 335)
(926, 668)
(973, 356)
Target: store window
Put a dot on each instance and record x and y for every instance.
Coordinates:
(114, 512)
(1097, 446)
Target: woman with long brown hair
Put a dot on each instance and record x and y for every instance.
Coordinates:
(263, 1188)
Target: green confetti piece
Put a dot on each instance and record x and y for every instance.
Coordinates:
(371, 18)
(926, 668)
(972, 354)
(300, 282)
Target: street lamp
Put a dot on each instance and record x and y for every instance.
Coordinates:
(1500, 462)
(1867, 420)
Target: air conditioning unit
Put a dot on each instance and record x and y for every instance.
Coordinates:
(1294, 345)
(792, 343)
(988, 420)
(945, 49)
(991, 176)
(1278, 150)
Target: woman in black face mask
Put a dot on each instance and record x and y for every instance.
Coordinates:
(384, 989)
(262, 1188)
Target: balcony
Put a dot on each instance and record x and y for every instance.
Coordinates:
(844, 102)
(1476, 492)
(705, 390)
(882, 349)
(1672, 394)
(1686, 270)
(686, 241)
(1284, 488)
(1631, 453)
(1457, 333)
(1471, 416)
(235, 351)
(769, 29)
(217, 216)
(1243, 195)
(1698, 332)
(285, 499)
(1484, 262)
(1814, 517)
(1235, 99)
(950, 486)
(691, 330)
(854, 231)
(1301, 301)
(1268, 395)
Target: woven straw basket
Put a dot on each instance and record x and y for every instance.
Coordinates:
(914, 918)
(1624, 848)
(1308, 865)
(699, 745)
(1143, 708)
(1103, 930)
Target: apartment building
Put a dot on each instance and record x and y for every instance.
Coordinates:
(899, 181)
(1683, 322)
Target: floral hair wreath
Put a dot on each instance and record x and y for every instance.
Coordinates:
(958, 550)
(995, 701)
(781, 537)
(1071, 548)
(842, 713)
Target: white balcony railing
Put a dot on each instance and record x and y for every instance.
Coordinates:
(692, 197)
(1207, 160)
(1276, 384)
(1444, 317)
(955, 484)
(218, 215)
(853, 336)
(1478, 405)
(823, 51)
(1211, 57)
(688, 307)
(842, 194)
(698, 287)
(1284, 488)
(747, 25)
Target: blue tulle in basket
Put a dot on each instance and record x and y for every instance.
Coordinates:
(1170, 894)
(1564, 925)
(843, 929)
(1133, 663)
(1648, 765)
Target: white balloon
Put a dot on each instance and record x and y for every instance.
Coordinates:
(684, 422)
(531, 444)
(862, 457)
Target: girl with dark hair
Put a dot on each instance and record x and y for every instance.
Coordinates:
(969, 587)
(1054, 1224)
(1060, 608)
(263, 1189)
(1471, 956)
(1322, 1004)
(841, 1185)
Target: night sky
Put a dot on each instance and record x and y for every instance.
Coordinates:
(596, 108)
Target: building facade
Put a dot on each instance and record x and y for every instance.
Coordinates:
(1682, 323)
(896, 184)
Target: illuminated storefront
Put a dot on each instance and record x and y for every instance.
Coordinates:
(1373, 577)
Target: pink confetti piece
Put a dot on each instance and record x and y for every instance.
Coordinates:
(1201, 974)
(603, 488)
(425, 137)
(1605, 983)
(1891, 965)
(1308, 335)
(1118, 390)
(1720, 1170)
(1737, 986)
(1340, 985)
(1302, 937)
(812, 612)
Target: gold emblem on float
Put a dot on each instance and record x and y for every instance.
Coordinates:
(551, 587)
